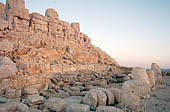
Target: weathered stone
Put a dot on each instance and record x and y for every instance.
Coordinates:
(110, 96)
(78, 108)
(15, 3)
(6, 46)
(34, 99)
(12, 93)
(132, 101)
(140, 74)
(52, 13)
(157, 72)
(56, 104)
(30, 91)
(139, 88)
(22, 107)
(117, 94)
(76, 26)
(74, 99)
(91, 99)
(108, 109)
(3, 24)
(7, 68)
(151, 77)
(2, 10)
(10, 106)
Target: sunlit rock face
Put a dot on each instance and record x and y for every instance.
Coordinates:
(44, 45)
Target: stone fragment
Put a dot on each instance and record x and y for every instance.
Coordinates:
(74, 99)
(108, 109)
(22, 107)
(91, 99)
(12, 93)
(56, 104)
(52, 13)
(117, 94)
(110, 96)
(78, 108)
(140, 74)
(30, 91)
(158, 74)
(34, 99)
(6, 46)
(7, 68)
(151, 77)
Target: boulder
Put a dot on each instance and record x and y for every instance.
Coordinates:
(78, 108)
(108, 109)
(34, 99)
(139, 74)
(151, 77)
(95, 97)
(117, 94)
(12, 93)
(91, 98)
(6, 46)
(157, 71)
(7, 67)
(56, 104)
(30, 91)
(139, 88)
(52, 13)
(22, 107)
(110, 96)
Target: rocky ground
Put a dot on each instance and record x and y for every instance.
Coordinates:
(160, 98)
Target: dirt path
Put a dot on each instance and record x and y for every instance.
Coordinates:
(160, 98)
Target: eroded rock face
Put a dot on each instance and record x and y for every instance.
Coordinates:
(44, 45)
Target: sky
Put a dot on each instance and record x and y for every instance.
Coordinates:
(133, 32)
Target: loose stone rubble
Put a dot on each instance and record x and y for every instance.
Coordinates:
(48, 65)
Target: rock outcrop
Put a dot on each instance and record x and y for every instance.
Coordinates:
(41, 46)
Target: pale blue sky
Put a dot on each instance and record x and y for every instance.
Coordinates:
(134, 32)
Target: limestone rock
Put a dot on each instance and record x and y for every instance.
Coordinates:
(78, 108)
(91, 99)
(34, 99)
(157, 71)
(151, 77)
(6, 46)
(110, 96)
(15, 3)
(56, 104)
(140, 74)
(108, 109)
(76, 26)
(7, 68)
(2, 10)
(30, 91)
(117, 94)
(52, 13)
(12, 93)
